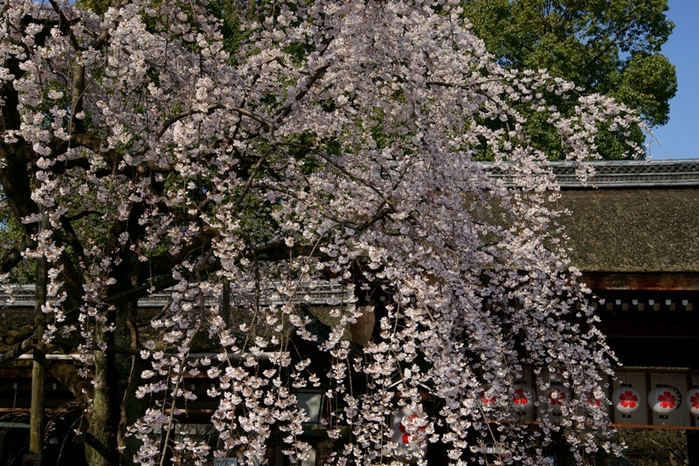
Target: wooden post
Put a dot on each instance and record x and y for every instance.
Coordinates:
(36, 413)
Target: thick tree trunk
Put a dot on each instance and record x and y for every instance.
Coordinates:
(100, 439)
(129, 368)
(69, 376)
(117, 376)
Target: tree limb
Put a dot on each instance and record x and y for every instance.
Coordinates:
(69, 376)
(11, 258)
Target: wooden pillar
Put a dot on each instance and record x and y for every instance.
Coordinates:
(36, 413)
(693, 447)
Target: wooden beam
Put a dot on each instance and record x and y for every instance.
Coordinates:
(641, 281)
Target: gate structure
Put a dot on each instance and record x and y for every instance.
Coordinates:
(634, 233)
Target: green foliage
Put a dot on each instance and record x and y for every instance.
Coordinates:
(231, 17)
(606, 46)
(11, 235)
(98, 6)
(648, 84)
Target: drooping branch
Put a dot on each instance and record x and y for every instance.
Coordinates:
(278, 250)
(78, 93)
(163, 263)
(381, 210)
(161, 313)
(355, 178)
(71, 238)
(252, 176)
(82, 214)
(286, 110)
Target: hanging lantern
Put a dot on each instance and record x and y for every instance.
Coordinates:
(693, 401)
(626, 400)
(522, 397)
(558, 396)
(664, 399)
(591, 400)
(407, 429)
(405, 437)
(488, 401)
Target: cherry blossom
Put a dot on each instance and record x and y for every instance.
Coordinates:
(591, 399)
(334, 143)
(695, 401)
(557, 397)
(520, 397)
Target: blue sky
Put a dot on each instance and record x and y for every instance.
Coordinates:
(680, 137)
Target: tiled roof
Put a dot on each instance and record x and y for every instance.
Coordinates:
(627, 173)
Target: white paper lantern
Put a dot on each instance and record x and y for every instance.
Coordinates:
(487, 400)
(664, 400)
(693, 401)
(522, 397)
(626, 400)
(558, 396)
(405, 424)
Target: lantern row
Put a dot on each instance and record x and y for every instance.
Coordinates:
(523, 398)
(663, 400)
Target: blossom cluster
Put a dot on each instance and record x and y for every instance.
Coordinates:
(335, 141)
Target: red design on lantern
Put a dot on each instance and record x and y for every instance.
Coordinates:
(664, 399)
(628, 399)
(693, 397)
(557, 397)
(405, 438)
(667, 400)
(592, 400)
(487, 400)
(520, 397)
